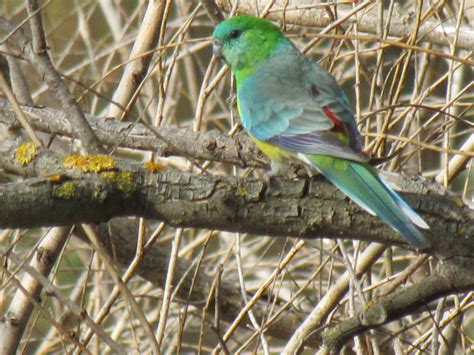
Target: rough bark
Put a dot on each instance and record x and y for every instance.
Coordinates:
(301, 208)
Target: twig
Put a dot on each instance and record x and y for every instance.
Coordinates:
(170, 277)
(147, 38)
(131, 271)
(20, 308)
(458, 162)
(42, 63)
(400, 24)
(213, 11)
(326, 304)
(19, 113)
(126, 294)
(17, 78)
(78, 312)
(259, 293)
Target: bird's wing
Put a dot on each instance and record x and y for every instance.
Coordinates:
(299, 106)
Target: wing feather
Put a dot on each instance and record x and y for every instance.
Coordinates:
(286, 102)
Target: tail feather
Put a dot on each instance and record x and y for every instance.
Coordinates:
(414, 217)
(361, 183)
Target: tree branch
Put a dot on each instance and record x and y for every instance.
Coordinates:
(305, 209)
(55, 193)
(213, 11)
(42, 63)
(135, 71)
(20, 309)
(454, 276)
(210, 145)
(192, 285)
(283, 208)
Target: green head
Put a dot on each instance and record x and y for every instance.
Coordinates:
(244, 42)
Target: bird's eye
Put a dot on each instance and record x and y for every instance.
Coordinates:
(235, 34)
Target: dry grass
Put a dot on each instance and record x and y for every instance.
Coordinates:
(406, 92)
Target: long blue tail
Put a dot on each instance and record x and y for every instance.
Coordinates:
(361, 183)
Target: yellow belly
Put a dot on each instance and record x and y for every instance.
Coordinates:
(272, 151)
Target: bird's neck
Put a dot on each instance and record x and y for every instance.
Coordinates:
(256, 59)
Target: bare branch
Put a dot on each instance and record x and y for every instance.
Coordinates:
(319, 313)
(135, 70)
(43, 65)
(212, 10)
(305, 209)
(78, 312)
(453, 276)
(194, 286)
(19, 311)
(17, 78)
(211, 145)
(4, 85)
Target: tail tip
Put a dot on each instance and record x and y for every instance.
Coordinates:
(417, 239)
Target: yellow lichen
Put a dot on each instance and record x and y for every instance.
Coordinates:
(99, 194)
(458, 201)
(90, 163)
(124, 181)
(56, 178)
(65, 191)
(153, 167)
(241, 190)
(108, 175)
(26, 152)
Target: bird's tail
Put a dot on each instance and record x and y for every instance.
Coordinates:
(361, 183)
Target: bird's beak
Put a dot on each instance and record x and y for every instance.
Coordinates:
(217, 48)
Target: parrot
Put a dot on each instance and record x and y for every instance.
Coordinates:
(293, 109)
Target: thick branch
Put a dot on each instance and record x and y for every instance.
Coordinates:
(283, 208)
(211, 145)
(454, 276)
(387, 309)
(305, 209)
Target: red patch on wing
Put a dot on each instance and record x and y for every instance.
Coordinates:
(333, 117)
